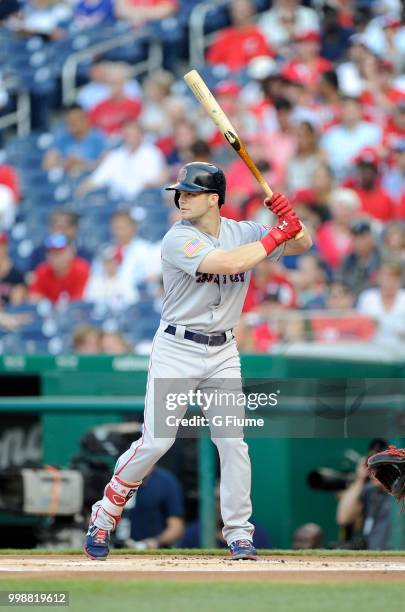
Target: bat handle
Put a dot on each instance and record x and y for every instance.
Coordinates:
(266, 188)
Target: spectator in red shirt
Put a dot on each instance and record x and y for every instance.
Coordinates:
(62, 275)
(111, 114)
(242, 41)
(308, 65)
(375, 201)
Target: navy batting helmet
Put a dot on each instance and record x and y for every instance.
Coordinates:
(200, 177)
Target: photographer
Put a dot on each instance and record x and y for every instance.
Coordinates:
(366, 501)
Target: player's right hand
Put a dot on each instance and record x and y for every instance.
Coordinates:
(278, 204)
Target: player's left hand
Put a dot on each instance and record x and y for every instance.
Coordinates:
(279, 204)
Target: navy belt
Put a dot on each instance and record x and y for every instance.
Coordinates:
(197, 337)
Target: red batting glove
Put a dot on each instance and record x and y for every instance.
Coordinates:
(278, 204)
(289, 226)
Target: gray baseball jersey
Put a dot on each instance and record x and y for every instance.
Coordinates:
(205, 302)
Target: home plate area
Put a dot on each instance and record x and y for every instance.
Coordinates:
(188, 567)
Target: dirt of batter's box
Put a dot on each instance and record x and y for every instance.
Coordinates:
(208, 568)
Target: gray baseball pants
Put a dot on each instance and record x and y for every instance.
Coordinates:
(178, 364)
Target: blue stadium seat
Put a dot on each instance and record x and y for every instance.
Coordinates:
(22, 143)
(74, 313)
(37, 346)
(94, 230)
(152, 233)
(41, 194)
(144, 313)
(144, 291)
(187, 6)
(33, 177)
(31, 309)
(262, 5)
(12, 344)
(150, 197)
(143, 329)
(93, 201)
(146, 307)
(216, 19)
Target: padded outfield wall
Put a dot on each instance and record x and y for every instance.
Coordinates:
(52, 401)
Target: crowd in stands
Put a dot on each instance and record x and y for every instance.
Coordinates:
(317, 91)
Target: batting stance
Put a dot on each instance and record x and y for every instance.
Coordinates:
(206, 263)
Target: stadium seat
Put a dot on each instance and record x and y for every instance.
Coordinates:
(143, 329)
(216, 19)
(30, 309)
(262, 5)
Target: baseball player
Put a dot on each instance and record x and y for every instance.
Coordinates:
(206, 262)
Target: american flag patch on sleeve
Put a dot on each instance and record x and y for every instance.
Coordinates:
(191, 247)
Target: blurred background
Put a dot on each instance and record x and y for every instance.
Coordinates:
(95, 119)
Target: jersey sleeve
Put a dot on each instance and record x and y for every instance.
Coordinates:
(185, 249)
(252, 232)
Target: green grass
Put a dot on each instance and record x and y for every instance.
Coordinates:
(102, 595)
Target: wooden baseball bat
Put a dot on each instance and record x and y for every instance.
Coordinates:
(208, 101)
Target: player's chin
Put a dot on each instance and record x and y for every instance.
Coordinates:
(185, 213)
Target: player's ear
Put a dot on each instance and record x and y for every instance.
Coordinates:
(213, 199)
